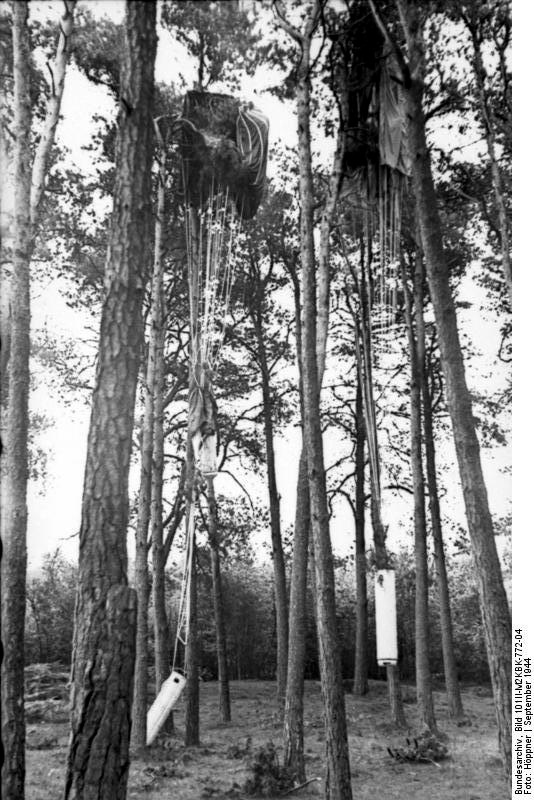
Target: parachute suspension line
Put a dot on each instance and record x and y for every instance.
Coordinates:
(388, 190)
(367, 259)
(211, 236)
(364, 339)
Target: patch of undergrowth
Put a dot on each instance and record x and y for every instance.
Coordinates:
(269, 778)
(427, 748)
(236, 751)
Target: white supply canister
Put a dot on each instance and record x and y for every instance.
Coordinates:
(162, 706)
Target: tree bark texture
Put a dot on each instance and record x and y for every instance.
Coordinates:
(423, 677)
(15, 457)
(361, 656)
(279, 568)
(218, 606)
(294, 706)
(452, 684)
(493, 601)
(338, 783)
(104, 638)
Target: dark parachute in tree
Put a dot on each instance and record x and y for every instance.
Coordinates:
(224, 146)
(377, 117)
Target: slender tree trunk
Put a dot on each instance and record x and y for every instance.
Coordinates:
(452, 684)
(192, 722)
(493, 602)
(145, 505)
(361, 685)
(218, 606)
(338, 784)
(425, 702)
(294, 704)
(177, 517)
(279, 568)
(161, 626)
(15, 376)
(104, 638)
(162, 643)
(53, 108)
(38, 171)
(15, 456)
(488, 126)
(142, 585)
(294, 707)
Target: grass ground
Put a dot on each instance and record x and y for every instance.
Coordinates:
(218, 768)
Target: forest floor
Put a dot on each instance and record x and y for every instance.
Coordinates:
(220, 766)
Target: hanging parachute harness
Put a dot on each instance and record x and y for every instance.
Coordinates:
(223, 146)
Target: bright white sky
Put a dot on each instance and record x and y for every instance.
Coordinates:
(54, 510)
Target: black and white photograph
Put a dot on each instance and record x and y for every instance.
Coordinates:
(256, 401)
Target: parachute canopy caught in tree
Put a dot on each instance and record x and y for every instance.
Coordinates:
(377, 119)
(224, 145)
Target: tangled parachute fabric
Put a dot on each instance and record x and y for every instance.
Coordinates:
(224, 143)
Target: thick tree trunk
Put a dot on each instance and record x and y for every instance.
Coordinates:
(493, 601)
(104, 638)
(452, 684)
(15, 457)
(338, 783)
(361, 656)
(425, 702)
(279, 568)
(218, 606)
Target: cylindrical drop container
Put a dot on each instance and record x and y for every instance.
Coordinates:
(160, 709)
(386, 617)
